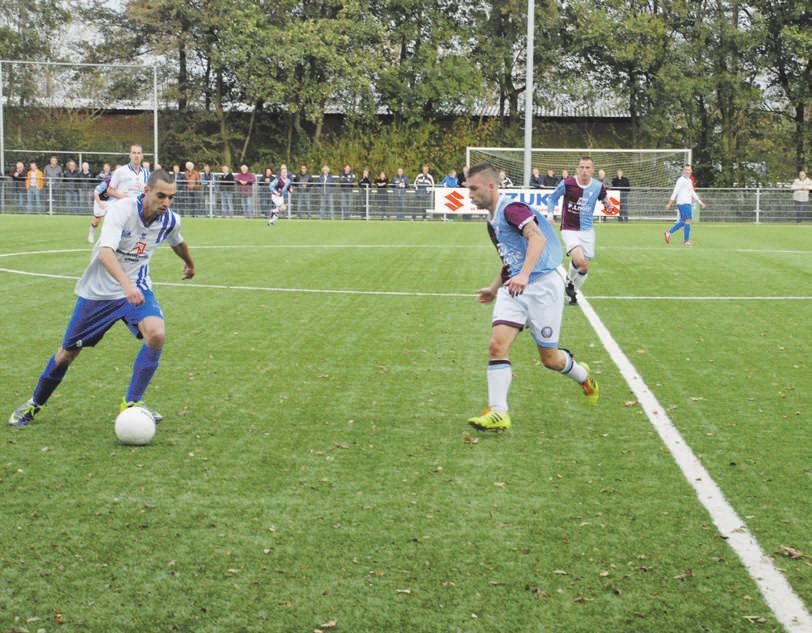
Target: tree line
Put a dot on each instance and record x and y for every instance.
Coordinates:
(730, 79)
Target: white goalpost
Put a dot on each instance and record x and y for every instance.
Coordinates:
(80, 92)
(645, 168)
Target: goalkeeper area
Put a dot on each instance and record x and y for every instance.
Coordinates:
(314, 470)
(645, 168)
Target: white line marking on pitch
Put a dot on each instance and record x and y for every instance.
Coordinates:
(390, 293)
(788, 608)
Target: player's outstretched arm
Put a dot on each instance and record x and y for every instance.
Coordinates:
(182, 251)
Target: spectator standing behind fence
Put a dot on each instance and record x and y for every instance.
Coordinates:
(53, 180)
(192, 177)
(564, 175)
(206, 188)
(326, 185)
(226, 187)
(71, 175)
(422, 183)
(551, 180)
(179, 203)
(463, 177)
(245, 183)
(535, 178)
(381, 192)
(301, 185)
(622, 184)
(504, 180)
(18, 178)
(400, 182)
(346, 182)
(450, 180)
(364, 182)
(34, 184)
(104, 174)
(800, 194)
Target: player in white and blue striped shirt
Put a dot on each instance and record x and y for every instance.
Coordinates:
(116, 287)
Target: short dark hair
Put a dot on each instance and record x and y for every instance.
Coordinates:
(486, 169)
(589, 158)
(686, 165)
(159, 175)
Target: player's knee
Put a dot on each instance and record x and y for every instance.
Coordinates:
(497, 348)
(65, 357)
(155, 336)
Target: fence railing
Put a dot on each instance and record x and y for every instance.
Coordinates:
(335, 202)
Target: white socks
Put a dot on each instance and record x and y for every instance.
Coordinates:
(500, 374)
(572, 369)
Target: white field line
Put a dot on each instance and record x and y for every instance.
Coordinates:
(788, 608)
(391, 293)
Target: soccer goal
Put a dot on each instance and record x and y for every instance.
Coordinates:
(645, 168)
(49, 107)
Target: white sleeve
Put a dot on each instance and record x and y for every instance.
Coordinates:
(114, 224)
(676, 190)
(115, 181)
(174, 238)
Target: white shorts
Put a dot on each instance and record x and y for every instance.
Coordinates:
(584, 239)
(539, 308)
(278, 202)
(98, 211)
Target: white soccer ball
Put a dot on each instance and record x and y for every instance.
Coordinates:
(135, 426)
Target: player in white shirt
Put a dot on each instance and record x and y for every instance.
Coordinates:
(685, 196)
(116, 286)
(128, 181)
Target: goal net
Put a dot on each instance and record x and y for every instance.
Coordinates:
(645, 168)
(96, 110)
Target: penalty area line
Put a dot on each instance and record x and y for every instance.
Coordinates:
(785, 604)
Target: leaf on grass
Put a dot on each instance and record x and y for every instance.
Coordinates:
(697, 398)
(499, 484)
(791, 552)
(467, 438)
(232, 572)
(330, 624)
(629, 403)
(560, 572)
(58, 617)
(603, 574)
(688, 573)
(539, 592)
(583, 599)
(404, 591)
(755, 619)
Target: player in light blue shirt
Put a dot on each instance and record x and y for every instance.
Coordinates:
(529, 293)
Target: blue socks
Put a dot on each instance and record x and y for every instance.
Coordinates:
(146, 363)
(687, 232)
(48, 381)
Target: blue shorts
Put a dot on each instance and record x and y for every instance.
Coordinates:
(91, 319)
(685, 211)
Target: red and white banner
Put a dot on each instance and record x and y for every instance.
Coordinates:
(456, 201)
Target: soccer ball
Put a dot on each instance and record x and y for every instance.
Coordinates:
(135, 426)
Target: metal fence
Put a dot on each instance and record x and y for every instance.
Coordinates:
(334, 202)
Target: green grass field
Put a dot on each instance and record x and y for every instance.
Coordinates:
(312, 471)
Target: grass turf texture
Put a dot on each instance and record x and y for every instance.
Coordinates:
(312, 468)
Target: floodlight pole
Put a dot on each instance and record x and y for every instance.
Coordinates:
(2, 131)
(155, 114)
(528, 94)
